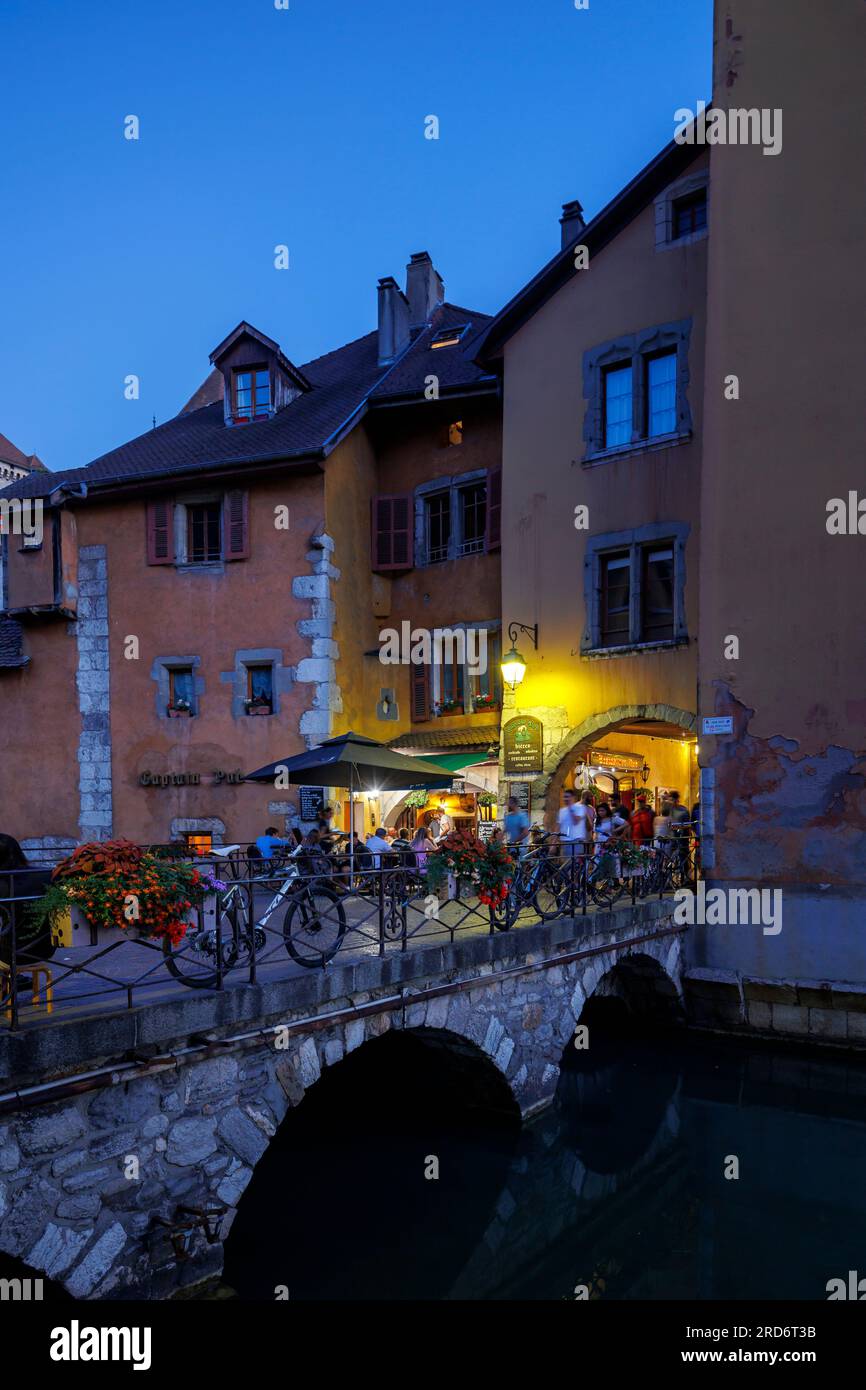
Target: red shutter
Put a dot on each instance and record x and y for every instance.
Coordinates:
(420, 679)
(160, 533)
(236, 525)
(494, 509)
(392, 523)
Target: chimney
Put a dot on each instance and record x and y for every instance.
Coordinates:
(393, 320)
(571, 222)
(424, 290)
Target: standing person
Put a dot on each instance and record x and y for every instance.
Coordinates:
(642, 821)
(662, 829)
(679, 827)
(574, 825)
(516, 825)
(434, 826)
(590, 816)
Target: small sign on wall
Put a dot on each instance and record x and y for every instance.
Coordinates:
(719, 724)
(522, 793)
(523, 749)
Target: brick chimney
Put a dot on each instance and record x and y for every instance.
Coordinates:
(424, 290)
(571, 222)
(393, 320)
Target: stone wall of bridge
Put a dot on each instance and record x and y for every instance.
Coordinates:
(92, 1185)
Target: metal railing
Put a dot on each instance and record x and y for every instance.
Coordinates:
(271, 920)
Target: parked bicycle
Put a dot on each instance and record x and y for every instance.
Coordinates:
(313, 925)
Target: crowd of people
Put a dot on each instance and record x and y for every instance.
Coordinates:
(590, 826)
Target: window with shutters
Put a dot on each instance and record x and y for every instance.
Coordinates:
(203, 529)
(636, 388)
(392, 532)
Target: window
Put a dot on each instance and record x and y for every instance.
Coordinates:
(199, 844)
(634, 588)
(450, 682)
(617, 406)
(447, 337)
(438, 518)
(200, 529)
(661, 394)
(657, 595)
(473, 518)
(486, 687)
(260, 689)
(615, 599)
(457, 515)
(182, 689)
(690, 214)
(636, 391)
(203, 533)
(252, 394)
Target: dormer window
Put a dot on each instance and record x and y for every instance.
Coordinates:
(252, 394)
(448, 337)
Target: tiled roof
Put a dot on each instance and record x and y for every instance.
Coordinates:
(343, 383)
(11, 653)
(10, 453)
(478, 736)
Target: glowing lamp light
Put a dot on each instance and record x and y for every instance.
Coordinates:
(513, 668)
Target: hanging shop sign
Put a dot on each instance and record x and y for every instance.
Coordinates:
(621, 762)
(188, 779)
(522, 740)
(311, 801)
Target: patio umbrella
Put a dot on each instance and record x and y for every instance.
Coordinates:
(359, 763)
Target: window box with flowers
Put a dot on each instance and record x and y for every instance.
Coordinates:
(114, 890)
(180, 709)
(484, 702)
(258, 704)
(449, 707)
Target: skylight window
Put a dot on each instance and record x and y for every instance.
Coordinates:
(447, 337)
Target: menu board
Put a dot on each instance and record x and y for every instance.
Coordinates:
(311, 801)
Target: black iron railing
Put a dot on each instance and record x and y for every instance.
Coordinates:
(269, 920)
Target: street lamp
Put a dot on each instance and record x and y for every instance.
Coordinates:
(513, 666)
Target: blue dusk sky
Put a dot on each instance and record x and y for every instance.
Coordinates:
(302, 127)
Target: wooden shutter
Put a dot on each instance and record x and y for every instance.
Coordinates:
(392, 521)
(160, 533)
(236, 545)
(420, 679)
(493, 538)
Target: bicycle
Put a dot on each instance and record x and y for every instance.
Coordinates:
(313, 927)
(541, 881)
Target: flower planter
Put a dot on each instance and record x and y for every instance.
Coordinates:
(85, 933)
(259, 709)
(179, 713)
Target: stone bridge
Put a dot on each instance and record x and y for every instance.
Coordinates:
(127, 1139)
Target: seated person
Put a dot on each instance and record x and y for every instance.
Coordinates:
(265, 844)
(378, 845)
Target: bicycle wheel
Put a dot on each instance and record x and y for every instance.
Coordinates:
(314, 925)
(194, 960)
(552, 890)
(604, 885)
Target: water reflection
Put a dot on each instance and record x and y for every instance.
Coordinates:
(619, 1186)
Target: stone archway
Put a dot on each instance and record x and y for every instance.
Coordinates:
(560, 756)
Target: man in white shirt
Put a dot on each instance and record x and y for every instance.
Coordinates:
(573, 824)
(378, 845)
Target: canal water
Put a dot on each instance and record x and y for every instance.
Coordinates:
(671, 1166)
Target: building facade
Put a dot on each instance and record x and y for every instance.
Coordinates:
(211, 597)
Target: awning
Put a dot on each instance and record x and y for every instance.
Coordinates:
(453, 761)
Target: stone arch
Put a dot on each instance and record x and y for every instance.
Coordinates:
(559, 757)
(647, 981)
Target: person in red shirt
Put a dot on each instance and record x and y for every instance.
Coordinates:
(642, 822)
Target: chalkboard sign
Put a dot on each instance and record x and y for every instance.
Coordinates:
(485, 830)
(312, 799)
(522, 792)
